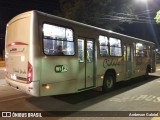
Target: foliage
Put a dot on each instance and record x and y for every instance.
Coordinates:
(101, 13)
(157, 18)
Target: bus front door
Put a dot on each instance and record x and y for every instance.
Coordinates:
(86, 60)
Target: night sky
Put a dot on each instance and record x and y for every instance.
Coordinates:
(11, 8)
(145, 27)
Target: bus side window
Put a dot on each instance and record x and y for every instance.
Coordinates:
(48, 46)
(89, 51)
(115, 47)
(55, 36)
(103, 44)
(142, 50)
(80, 50)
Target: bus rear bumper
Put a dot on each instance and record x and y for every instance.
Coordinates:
(29, 88)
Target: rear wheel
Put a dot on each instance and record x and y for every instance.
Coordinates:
(108, 82)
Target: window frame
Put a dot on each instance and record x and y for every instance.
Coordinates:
(109, 46)
(83, 55)
(115, 46)
(103, 45)
(147, 49)
(58, 25)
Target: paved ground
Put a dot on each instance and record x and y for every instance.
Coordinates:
(2, 75)
(2, 82)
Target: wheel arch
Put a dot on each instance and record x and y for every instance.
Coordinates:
(109, 80)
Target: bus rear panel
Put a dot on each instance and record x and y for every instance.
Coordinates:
(19, 69)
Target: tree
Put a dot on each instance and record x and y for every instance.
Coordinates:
(157, 18)
(108, 14)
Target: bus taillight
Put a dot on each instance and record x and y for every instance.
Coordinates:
(29, 73)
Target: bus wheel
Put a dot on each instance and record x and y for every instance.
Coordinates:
(108, 82)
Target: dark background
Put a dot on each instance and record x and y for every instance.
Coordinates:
(144, 30)
(11, 8)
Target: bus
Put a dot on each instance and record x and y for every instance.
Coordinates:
(90, 57)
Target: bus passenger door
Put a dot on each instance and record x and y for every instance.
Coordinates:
(128, 56)
(86, 61)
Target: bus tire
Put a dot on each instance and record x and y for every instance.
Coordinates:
(108, 82)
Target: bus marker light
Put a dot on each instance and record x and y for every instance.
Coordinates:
(46, 86)
(117, 74)
(102, 77)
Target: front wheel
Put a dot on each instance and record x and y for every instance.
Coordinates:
(108, 82)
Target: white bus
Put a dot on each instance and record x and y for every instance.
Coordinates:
(89, 57)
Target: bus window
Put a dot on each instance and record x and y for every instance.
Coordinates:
(139, 49)
(89, 51)
(142, 50)
(147, 51)
(55, 37)
(115, 47)
(103, 43)
(81, 50)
